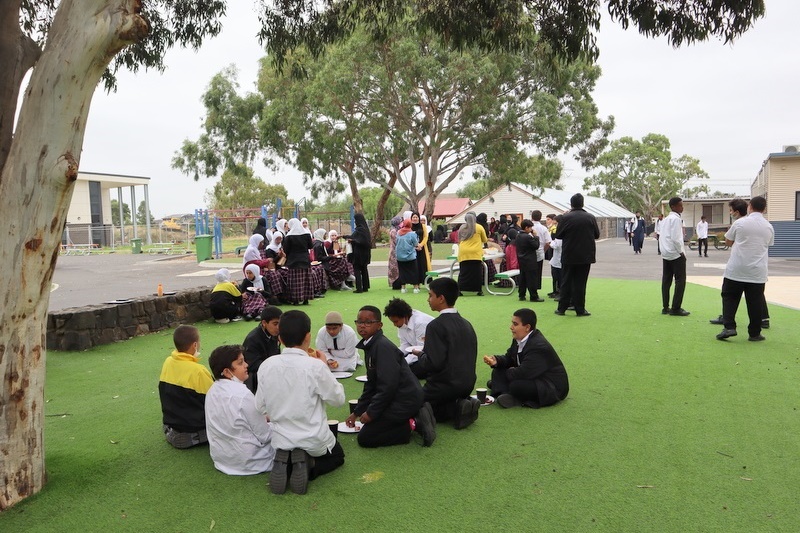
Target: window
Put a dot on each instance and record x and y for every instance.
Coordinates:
(714, 213)
(797, 205)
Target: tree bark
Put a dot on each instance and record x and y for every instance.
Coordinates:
(36, 184)
(379, 210)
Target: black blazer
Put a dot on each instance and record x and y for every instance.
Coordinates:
(527, 244)
(578, 230)
(539, 363)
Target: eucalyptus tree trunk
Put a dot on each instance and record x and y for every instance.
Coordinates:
(36, 184)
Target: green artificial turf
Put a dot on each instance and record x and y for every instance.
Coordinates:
(665, 429)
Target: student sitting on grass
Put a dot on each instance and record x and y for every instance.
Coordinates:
(238, 435)
(410, 323)
(337, 342)
(262, 342)
(182, 389)
(226, 299)
(530, 373)
(293, 389)
(447, 359)
(391, 405)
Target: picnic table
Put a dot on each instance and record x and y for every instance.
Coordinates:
(167, 248)
(81, 249)
(453, 268)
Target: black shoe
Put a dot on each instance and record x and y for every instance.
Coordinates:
(718, 321)
(665, 311)
(551, 294)
(521, 298)
(426, 424)
(480, 293)
(357, 291)
(466, 412)
(305, 302)
(726, 333)
(679, 312)
(559, 312)
(302, 463)
(705, 255)
(584, 313)
(278, 477)
(508, 401)
(757, 338)
(537, 299)
(319, 296)
(556, 298)
(765, 323)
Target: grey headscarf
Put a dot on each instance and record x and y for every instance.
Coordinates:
(467, 230)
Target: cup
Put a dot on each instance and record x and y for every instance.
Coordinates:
(353, 404)
(334, 427)
(312, 352)
(481, 395)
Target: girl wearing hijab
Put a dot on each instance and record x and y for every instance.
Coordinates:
(255, 292)
(304, 222)
(298, 279)
(423, 261)
(429, 240)
(483, 221)
(407, 253)
(361, 241)
(471, 238)
(261, 227)
(394, 273)
(226, 299)
(252, 255)
(335, 266)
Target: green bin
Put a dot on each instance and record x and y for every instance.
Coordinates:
(136, 246)
(202, 245)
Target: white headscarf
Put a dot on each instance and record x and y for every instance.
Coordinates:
(275, 246)
(296, 227)
(332, 235)
(407, 215)
(252, 253)
(223, 275)
(320, 234)
(281, 226)
(305, 227)
(258, 283)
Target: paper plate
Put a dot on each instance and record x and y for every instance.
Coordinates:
(489, 399)
(362, 379)
(344, 429)
(341, 375)
(412, 348)
(252, 289)
(315, 263)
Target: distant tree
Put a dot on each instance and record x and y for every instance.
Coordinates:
(371, 197)
(140, 214)
(641, 174)
(477, 188)
(126, 213)
(240, 188)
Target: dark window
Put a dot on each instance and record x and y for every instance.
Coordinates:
(797, 205)
(96, 209)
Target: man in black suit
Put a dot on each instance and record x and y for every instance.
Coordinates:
(578, 230)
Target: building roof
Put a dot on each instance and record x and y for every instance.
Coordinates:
(599, 207)
(446, 207)
(111, 181)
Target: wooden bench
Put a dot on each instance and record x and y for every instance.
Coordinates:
(503, 276)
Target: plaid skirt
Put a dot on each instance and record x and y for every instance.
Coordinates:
(319, 283)
(298, 283)
(275, 281)
(254, 303)
(492, 270)
(338, 271)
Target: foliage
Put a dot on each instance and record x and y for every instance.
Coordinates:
(371, 195)
(140, 214)
(641, 174)
(126, 213)
(240, 188)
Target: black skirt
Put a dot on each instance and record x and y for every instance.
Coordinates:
(470, 275)
(408, 272)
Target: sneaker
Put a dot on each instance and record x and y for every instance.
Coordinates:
(508, 401)
(248, 318)
(765, 323)
(302, 463)
(345, 287)
(679, 312)
(466, 412)
(726, 333)
(403, 290)
(351, 278)
(236, 319)
(416, 291)
(222, 320)
(426, 424)
(278, 477)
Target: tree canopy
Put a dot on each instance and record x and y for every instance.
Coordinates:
(239, 187)
(641, 174)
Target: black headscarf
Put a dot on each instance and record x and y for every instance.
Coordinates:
(417, 228)
(483, 220)
(261, 227)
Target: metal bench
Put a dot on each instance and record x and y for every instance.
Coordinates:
(448, 272)
(239, 249)
(502, 276)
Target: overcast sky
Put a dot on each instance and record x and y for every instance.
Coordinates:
(730, 106)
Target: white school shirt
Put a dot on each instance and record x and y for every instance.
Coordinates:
(657, 227)
(671, 236)
(238, 435)
(752, 236)
(346, 355)
(702, 230)
(555, 261)
(293, 389)
(544, 238)
(413, 333)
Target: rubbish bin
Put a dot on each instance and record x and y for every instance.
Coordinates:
(136, 246)
(202, 245)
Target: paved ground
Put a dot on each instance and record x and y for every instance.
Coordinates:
(84, 280)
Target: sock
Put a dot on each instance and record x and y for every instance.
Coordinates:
(412, 424)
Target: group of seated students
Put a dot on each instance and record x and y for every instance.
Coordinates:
(284, 265)
(262, 406)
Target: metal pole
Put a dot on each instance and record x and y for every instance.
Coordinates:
(121, 217)
(147, 214)
(133, 213)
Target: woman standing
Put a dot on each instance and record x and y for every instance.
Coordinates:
(423, 261)
(471, 238)
(361, 241)
(407, 254)
(296, 246)
(394, 273)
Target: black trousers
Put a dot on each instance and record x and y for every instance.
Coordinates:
(385, 431)
(700, 244)
(676, 268)
(754, 298)
(527, 281)
(521, 389)
(539, 268)
(573, 287)
(328, 462)
(361, 273)
(555, 273)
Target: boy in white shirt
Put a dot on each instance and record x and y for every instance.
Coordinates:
(293, 390)
(702, 237)
(337, 342)
(410, 323)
